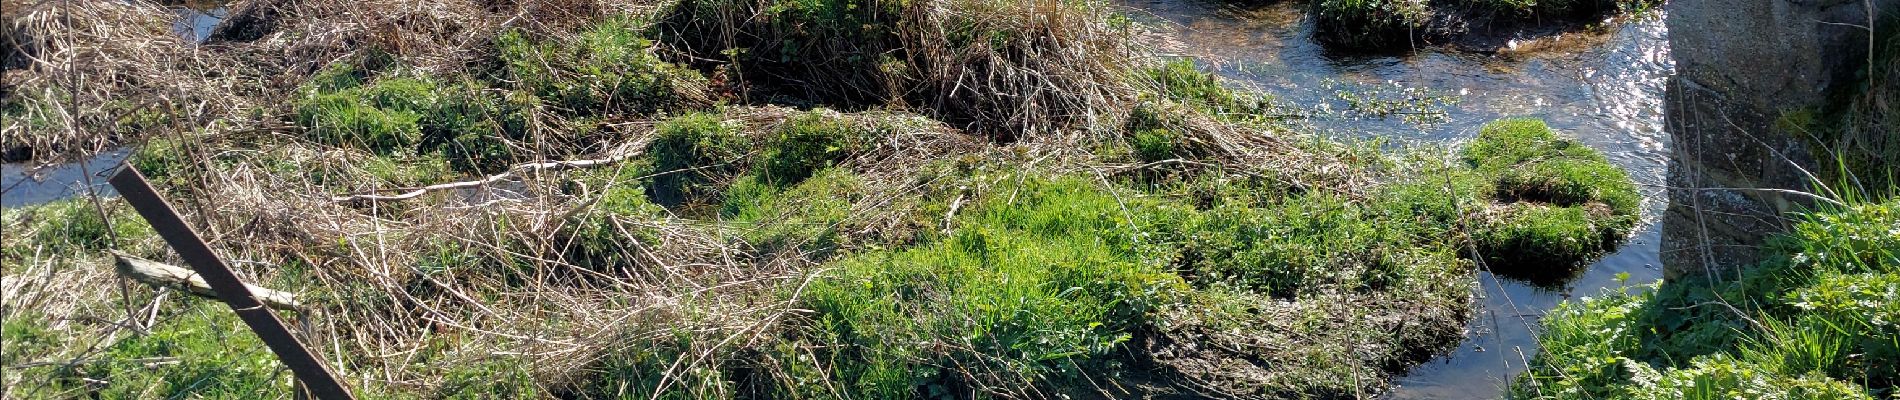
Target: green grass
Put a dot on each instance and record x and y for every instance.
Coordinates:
(198, 348)
(806, 143)
(1035, 292)
(1539, 243)
(1815, 321)
(805, 216)
(692, 155)
(609, 68)
(1304, 243)
(1182, 81)
(1563, 203)
(472, 126)
(69, 228)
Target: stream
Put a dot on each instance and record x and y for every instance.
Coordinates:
(1603, 87)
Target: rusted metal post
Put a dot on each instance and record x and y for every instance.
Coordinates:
(309, 369)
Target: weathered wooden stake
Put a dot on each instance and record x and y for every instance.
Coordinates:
(305, 365)
(165, 275)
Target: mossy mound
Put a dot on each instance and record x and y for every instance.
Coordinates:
(609, 68)
(1558, 203)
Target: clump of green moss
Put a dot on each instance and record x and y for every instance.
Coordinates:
(1562, 202)
(1814, 321)
(692, 156)
(806, 143)
(609, 68)
(471, 125)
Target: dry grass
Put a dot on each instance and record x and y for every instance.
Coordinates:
(1006, 69)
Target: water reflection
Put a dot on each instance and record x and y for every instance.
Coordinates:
(23, 184)
(197, 18)
(1602, 87)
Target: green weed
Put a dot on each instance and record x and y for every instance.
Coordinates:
(1814, 321)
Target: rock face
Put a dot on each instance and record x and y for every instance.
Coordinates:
(1742, 67)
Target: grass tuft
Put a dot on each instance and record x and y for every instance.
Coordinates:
(1562, 202)
(693, 154)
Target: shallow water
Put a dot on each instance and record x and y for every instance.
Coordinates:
(1602, 87)
(195, 20)
(23, 184)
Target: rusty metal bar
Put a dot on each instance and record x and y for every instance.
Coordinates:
(309, 369)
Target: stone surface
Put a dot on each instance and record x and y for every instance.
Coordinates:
(1742, 66)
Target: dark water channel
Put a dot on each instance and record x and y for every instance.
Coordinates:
(1602, 86)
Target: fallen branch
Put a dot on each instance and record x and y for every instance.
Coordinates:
(410, 193)
(164, 275)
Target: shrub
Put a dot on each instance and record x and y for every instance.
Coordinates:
(691, 154)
